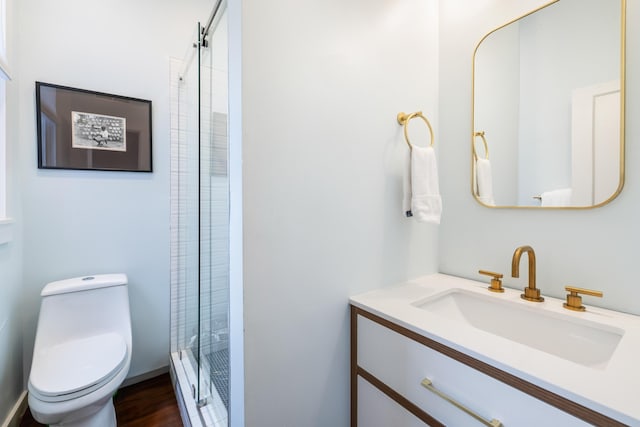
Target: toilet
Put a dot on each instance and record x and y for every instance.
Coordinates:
(82, 351)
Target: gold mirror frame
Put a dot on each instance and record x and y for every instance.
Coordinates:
(475, 133)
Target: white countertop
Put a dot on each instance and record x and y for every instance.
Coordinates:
(613, 390)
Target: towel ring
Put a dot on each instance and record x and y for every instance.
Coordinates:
(484, 141)
(404, 119)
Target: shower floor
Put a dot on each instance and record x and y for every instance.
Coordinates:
(219, 363)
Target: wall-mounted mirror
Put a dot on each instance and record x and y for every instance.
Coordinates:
(548, 107)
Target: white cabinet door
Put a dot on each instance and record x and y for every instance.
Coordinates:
(402, 364)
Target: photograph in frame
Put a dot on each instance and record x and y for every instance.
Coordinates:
(88, 130)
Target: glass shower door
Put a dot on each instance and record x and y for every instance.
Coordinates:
(200, 224)
(185, 223)
(214, 228)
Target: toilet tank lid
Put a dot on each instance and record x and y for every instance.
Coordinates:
(84, 283)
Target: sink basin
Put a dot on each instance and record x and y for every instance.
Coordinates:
(579, 340)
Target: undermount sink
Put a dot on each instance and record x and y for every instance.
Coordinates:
(579, 340)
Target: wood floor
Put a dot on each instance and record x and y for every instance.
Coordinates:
(146, 404)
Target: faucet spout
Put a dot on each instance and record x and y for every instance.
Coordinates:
(531, 293)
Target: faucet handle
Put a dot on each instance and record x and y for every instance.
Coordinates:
(496, 282)
(574, 301)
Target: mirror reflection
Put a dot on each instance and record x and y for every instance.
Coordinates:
(548, 107)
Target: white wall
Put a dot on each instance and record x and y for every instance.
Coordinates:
(593, 248)
(11, 384)
(322, 153)
(83, 222)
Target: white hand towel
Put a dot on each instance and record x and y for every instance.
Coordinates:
(426, 204)
(560, 197)
(484, 181)
(406, 185)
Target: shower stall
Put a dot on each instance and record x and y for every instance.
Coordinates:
(200, 225)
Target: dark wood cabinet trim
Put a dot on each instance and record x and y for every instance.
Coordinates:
(579, 411)
(354, 367)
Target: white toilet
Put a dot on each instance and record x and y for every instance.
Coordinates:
(82, 351)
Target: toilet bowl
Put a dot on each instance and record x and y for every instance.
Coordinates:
(82, 351)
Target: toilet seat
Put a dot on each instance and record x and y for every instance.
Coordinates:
(77, 367)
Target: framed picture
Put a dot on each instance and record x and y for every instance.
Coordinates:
(81, 129)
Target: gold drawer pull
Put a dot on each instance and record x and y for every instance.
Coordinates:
(426, 383)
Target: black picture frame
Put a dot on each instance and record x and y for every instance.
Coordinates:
(87, 130)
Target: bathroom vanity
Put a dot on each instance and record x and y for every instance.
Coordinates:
(441, 350)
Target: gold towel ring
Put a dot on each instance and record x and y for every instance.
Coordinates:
(484, 141)
(404, 119)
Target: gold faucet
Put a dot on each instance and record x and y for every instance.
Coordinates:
(531, 293)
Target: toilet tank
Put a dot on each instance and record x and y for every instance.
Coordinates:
(83, 307)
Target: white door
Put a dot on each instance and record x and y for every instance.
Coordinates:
(595, 143)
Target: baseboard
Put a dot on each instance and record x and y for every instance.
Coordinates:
(145, 376)
(16, 413)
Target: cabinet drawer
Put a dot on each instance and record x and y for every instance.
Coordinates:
(402, 363)
(376, 409)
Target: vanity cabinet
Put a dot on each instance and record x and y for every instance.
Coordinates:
(389, 362)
